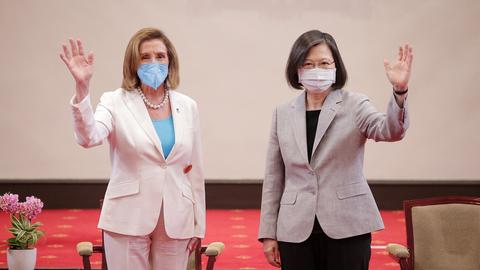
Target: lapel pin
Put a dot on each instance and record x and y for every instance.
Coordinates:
(187, 169)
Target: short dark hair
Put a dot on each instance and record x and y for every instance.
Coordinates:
(299, 52)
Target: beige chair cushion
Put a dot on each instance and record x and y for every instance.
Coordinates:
(446, 237)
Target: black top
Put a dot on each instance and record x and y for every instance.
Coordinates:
(312, 121)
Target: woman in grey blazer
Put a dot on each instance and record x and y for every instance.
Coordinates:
(317, 209)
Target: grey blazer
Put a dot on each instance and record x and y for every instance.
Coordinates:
(332, 186)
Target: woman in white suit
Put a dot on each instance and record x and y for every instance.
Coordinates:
(153, 212)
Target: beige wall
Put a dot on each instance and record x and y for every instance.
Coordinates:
(232, 55)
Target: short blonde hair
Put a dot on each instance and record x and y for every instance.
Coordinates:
(132, 59)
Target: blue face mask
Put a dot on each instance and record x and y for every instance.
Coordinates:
(153, 74)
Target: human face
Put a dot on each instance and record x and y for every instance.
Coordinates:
(153, 51)
(319, 56)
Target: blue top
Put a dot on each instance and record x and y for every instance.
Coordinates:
(166, 133)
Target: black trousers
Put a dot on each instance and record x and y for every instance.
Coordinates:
(320, 252)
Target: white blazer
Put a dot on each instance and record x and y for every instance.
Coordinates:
(141, 178)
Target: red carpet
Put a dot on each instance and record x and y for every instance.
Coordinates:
(236, 228)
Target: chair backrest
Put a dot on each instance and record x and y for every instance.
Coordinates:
(443, 233)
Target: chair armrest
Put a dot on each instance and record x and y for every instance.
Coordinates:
(214, 249)
(85, 248)
(398, 251)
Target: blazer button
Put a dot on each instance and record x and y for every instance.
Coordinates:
(163, 166)
(311, 173)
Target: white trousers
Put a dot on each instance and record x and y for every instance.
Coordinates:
(155, 251)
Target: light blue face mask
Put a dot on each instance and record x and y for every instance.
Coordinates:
(153, 74)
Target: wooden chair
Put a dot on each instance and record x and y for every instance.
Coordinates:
(86, 249)
(442, 233)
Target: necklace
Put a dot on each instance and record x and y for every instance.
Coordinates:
(149, 103)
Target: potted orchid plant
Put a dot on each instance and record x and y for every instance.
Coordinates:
(25, 234)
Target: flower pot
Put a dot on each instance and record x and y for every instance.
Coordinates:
(21, 259)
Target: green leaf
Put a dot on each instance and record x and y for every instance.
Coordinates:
(20, 236)
(34, 239)
(36, 225)
(25, 221)
(13, 230)
(12, 242)
(15, 222)
(22, 241)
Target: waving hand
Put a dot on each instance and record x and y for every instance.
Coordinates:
(79, 65)
(398, 72)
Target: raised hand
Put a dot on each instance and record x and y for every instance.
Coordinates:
(398, 73)
(79, 65)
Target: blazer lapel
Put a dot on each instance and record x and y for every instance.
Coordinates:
(300, 125)
(178, 114)
(135, 105)
(328, 112)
